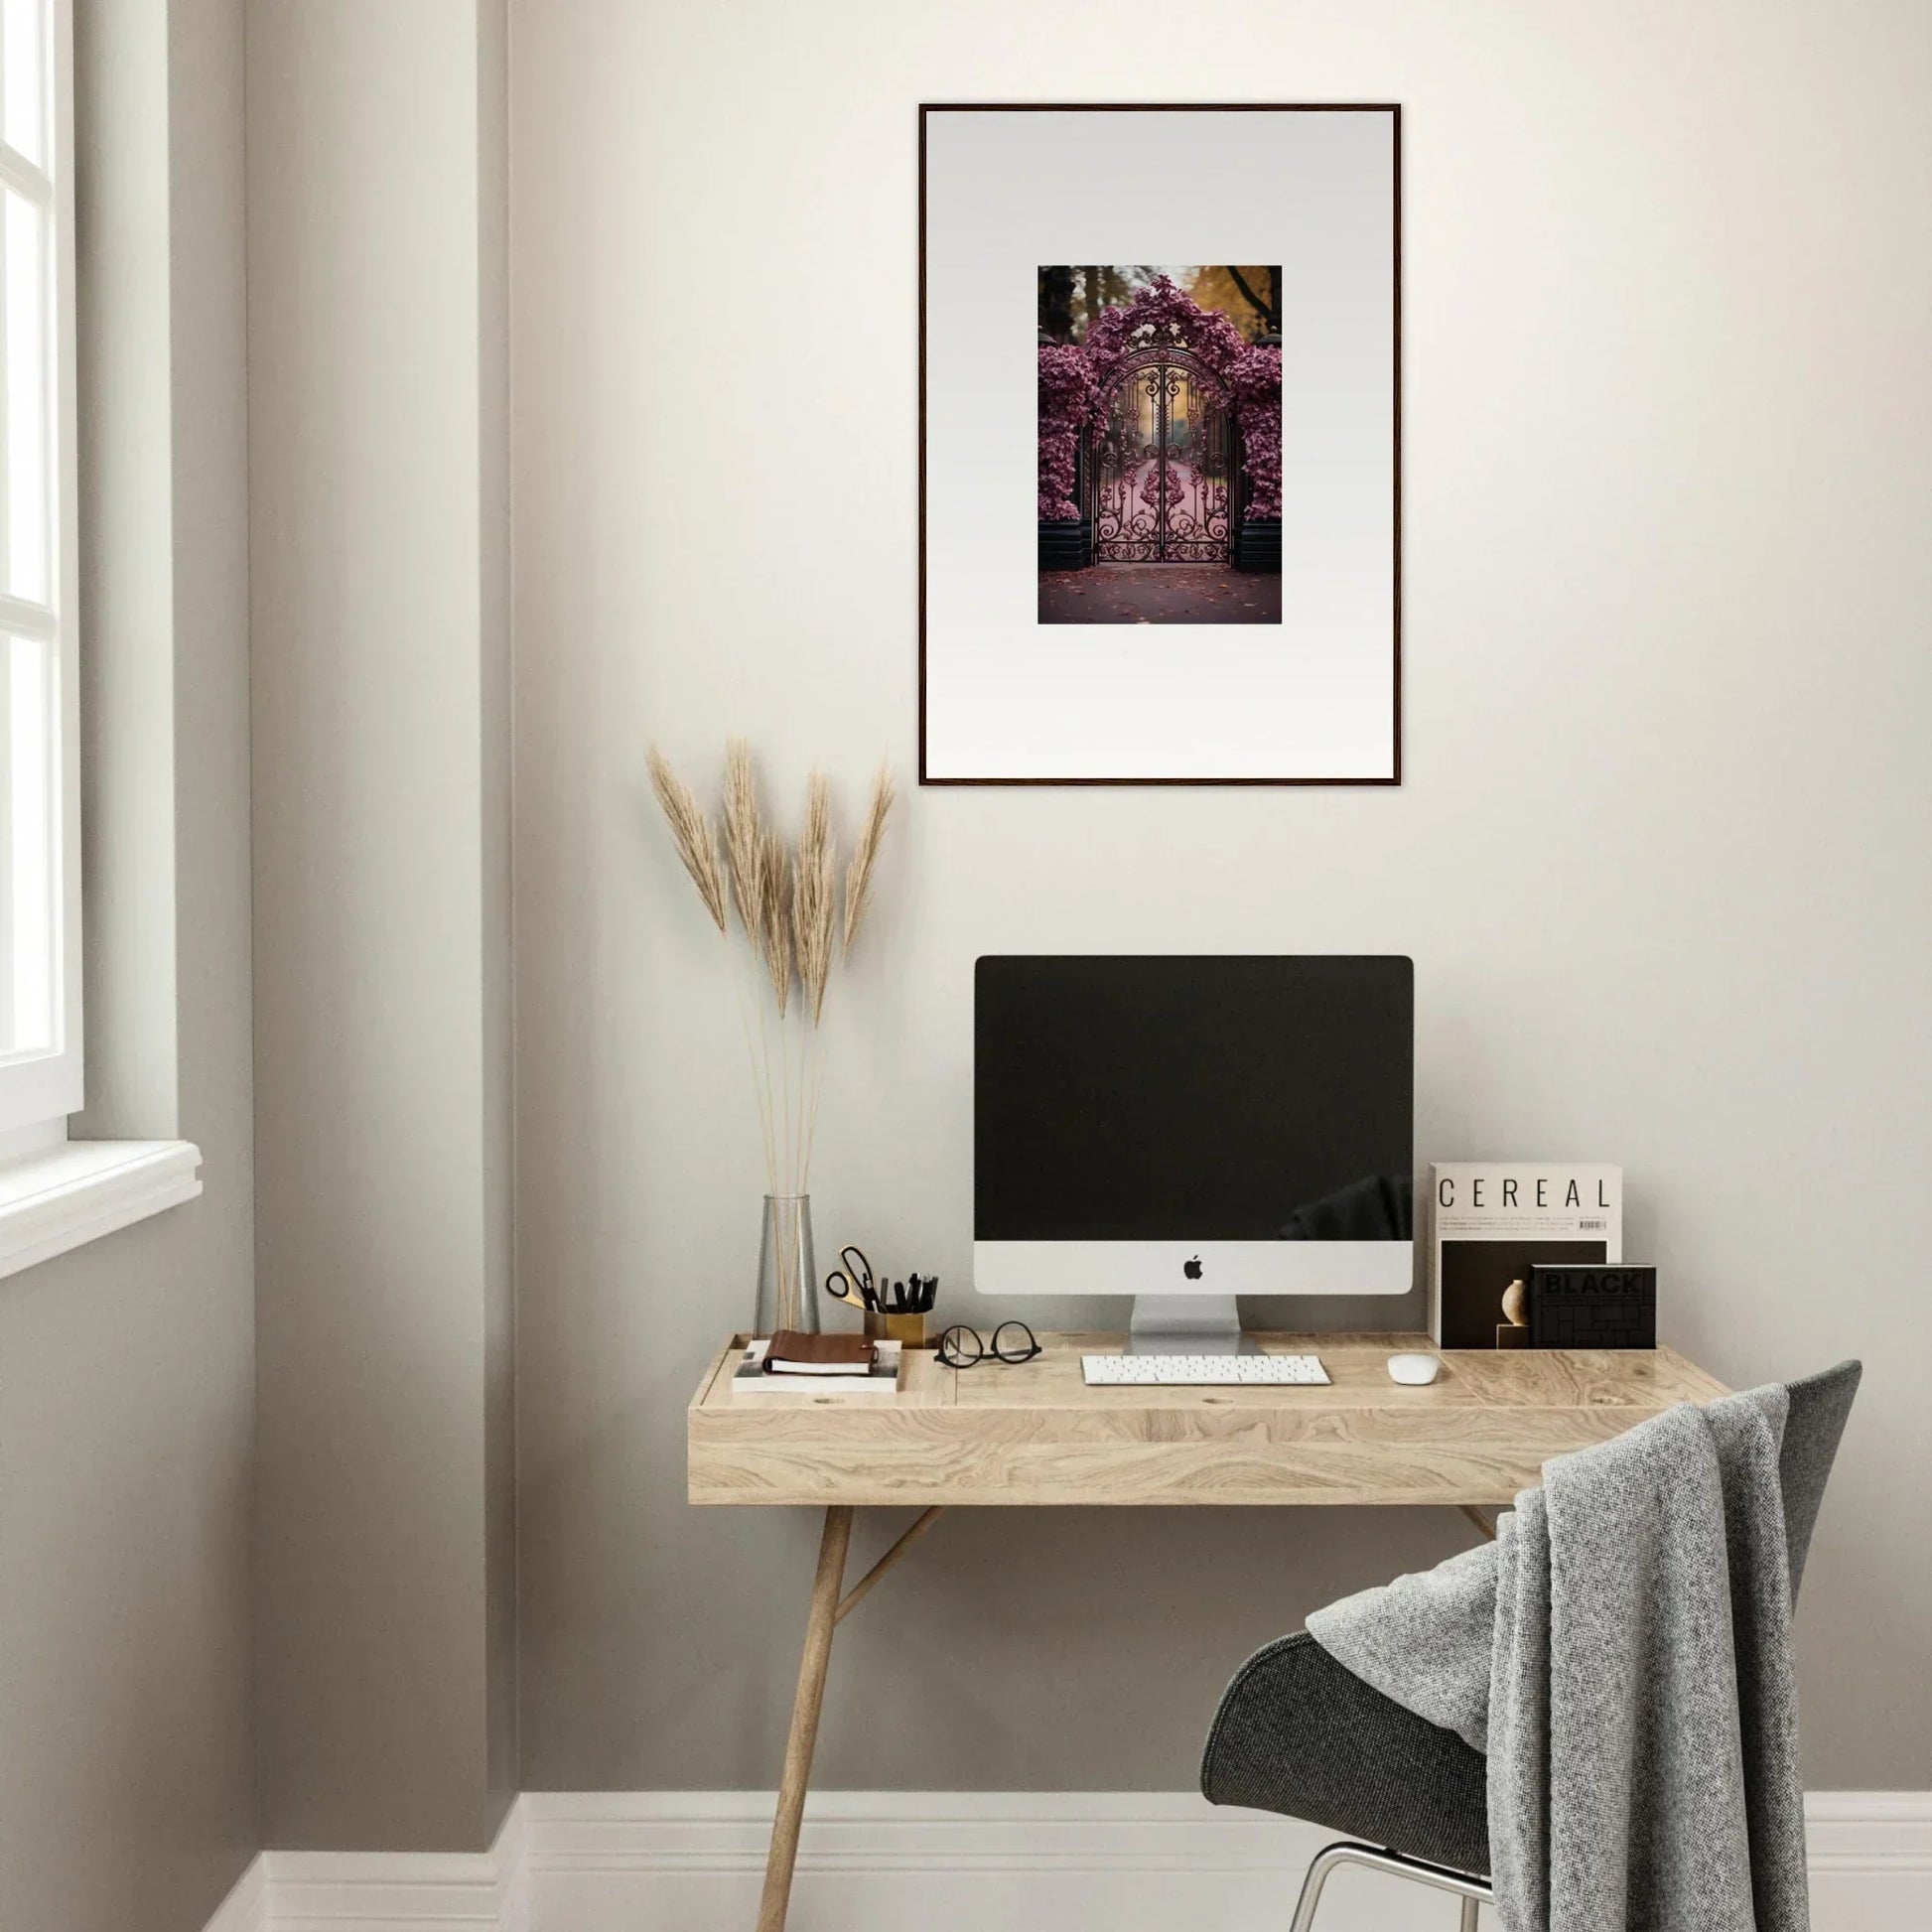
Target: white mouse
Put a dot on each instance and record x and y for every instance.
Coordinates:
(1415, 1370)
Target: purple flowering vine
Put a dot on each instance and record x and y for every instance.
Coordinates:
(1066, 399)
(1076, 382)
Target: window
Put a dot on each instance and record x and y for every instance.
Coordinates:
(40, 847)
(55, 1193)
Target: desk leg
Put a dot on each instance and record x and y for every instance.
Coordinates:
(1478, 1519)
(804, 1719)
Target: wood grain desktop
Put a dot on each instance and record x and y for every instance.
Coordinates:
(1033, 1435)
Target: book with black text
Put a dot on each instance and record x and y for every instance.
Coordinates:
(1490, 1221)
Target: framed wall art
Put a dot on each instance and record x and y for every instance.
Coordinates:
(1159, 437)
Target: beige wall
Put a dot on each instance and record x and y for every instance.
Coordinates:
(127, 1750)
(493, 904)
(1660, 856)
(381, 717)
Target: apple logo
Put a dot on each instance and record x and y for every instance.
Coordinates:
(1191, 1269)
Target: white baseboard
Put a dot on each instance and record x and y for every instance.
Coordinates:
(387, 1891)
(245, 1909)
(1871, 1860)
(403, 1891)
(954, 1862)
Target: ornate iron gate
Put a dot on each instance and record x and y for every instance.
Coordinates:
(1161, 466)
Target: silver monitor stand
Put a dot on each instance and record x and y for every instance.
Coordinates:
(1187, 1324)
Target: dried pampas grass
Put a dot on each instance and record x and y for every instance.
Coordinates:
(814, 896)
(775, 917)
(786, 902)
(743, 846)
(692, 835)
(865, 855)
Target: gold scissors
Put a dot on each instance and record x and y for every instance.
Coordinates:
(852, 1281)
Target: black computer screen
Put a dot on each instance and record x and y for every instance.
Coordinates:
(1233, 1098)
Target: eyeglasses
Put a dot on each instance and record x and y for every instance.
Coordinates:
(1013, 1341)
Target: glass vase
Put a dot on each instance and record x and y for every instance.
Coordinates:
(787, 1273)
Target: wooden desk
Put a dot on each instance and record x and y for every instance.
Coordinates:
(1033, 1435)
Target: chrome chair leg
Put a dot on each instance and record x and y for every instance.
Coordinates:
(1473, 1891)
(1325, 1863)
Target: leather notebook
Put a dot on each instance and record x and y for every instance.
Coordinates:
(793, 1353)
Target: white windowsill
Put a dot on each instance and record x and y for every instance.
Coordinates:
(78, 1190)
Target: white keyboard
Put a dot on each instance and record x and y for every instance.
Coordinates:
(1201, 1372)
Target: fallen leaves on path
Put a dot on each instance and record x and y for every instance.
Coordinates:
(1159, 593)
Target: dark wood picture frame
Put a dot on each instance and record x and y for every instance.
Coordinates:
(1392, 109)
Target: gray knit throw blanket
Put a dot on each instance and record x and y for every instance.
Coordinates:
(1622, 1652)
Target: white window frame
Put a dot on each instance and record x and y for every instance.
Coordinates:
(38, 1090)
(54, 1193)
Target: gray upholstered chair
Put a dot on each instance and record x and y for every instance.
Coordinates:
(1300, 1734)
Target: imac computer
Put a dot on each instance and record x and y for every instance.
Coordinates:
(1186, 1129)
